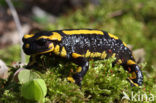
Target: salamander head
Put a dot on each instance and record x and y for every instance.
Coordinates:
(40, 43)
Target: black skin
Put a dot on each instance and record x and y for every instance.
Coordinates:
(80, 43)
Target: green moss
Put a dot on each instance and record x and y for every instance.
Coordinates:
(102, 83)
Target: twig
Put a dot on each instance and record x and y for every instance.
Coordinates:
(18, 25)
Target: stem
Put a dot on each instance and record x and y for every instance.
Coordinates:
(18, 26)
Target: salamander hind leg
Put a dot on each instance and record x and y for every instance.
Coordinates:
(136, 78)
(83, 66)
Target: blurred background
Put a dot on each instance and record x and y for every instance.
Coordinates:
(134, 21)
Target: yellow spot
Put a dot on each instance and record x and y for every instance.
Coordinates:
(57, 49)
(79, 69)
(76, 55)
(87, 53)
(26, 36)
(51, 45)
(43, 37)
(133, 82)
(71, 79)
(124, 44)
(51, 48)
(73, 32)
(130, 62)
(55, 36)
(27, 45)
(63, 52)
(119, 61)
(133, 75)
(103, 55)
(113, 55)
(97, 54)
(113, 36)
(92, 55)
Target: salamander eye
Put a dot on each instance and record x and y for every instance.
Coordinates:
(41, 41)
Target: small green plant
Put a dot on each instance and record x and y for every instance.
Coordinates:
(34, 90)
(27, 75)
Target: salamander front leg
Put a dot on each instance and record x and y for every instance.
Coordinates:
(83, 66)
(33, 61)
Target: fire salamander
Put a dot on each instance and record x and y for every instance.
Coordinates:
(79, 46)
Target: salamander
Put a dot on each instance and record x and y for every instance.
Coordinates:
(79, 46)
